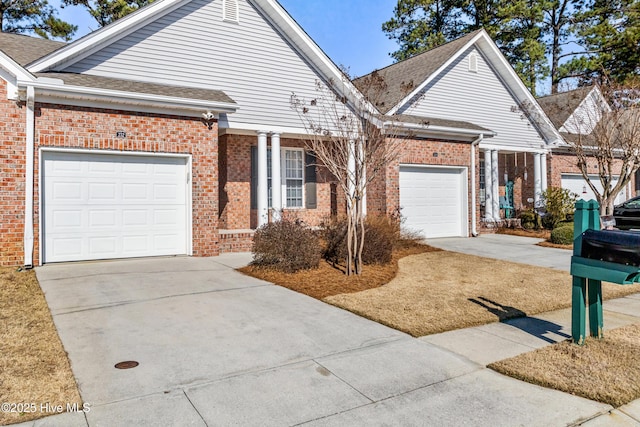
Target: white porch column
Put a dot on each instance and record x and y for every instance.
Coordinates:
(262, 191)
(537, 180)
(276, 187)
(495, 186)
(488, 192)
(543, 174)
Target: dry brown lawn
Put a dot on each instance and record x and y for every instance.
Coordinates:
(539, 234)
(548, 244)
(605, 370)
(34, 367)
(440, 291)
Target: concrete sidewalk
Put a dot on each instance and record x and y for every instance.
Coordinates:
(219, 348)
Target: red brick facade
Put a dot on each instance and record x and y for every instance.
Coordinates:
(12, 165)
(235, 185)
(87, 128)
(383, 195)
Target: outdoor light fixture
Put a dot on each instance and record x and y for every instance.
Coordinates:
(209, 118)
(584, 189)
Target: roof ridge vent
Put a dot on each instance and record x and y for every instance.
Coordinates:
(230, 11)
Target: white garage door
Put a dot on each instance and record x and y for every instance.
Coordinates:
(433, 200)
(100, 206)
(576, 184)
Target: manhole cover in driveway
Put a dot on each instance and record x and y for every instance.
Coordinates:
(127, 364)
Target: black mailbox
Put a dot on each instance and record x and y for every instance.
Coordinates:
(620, 247)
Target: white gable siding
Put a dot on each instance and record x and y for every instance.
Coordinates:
(477, 97)
(586, 116)
(193, 46)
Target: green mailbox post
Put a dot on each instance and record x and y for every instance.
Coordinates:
(611, 264)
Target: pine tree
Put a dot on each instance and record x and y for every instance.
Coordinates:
(107, 11)
(33, 16)
(609, 33)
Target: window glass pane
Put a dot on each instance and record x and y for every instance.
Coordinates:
(294, 177)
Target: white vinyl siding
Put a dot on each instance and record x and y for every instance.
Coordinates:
(586, 116)
(294, 178)
(480, 98)
(191, 46)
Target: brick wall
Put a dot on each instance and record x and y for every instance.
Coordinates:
(420, 152)
(88, 128)
(235, 185)
(12, 166)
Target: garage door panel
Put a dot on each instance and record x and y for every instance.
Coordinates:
(576, 184)
(113, 206)
(432, 200)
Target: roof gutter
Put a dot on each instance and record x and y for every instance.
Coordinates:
(440, 129)
(128, 98)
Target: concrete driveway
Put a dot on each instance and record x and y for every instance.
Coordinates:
(219, 348)
(509, 248)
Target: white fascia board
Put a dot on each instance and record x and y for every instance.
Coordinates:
(95, 40)
(11, 72)
(323, 65)
(62, 92)
(236, 128)
(513, 149)
(436, 73)
(440, 130)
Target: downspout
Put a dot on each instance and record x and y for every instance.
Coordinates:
(28, 189)
(474, 144)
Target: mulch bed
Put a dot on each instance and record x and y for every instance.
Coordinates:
(328, 279)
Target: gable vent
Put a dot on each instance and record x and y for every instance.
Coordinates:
(230, 11)
(473, 62)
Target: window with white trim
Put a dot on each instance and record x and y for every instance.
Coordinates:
(293, 174)
(230, 11)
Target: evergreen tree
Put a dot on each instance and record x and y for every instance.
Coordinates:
(107, 11)
(33, 16)
(609, 33)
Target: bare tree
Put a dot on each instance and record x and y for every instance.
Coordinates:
(353, 142)
(608, 134)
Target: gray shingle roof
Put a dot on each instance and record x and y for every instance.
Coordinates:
(24, 49)
(430, 121)
(89, 81)
(560, 106)
(403, 77)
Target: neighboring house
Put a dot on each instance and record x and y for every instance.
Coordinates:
(576, 112)
(156, 135)
(468, 80)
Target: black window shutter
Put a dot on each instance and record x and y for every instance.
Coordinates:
(254, 177)
(311, 198)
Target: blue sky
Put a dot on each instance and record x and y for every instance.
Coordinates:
(349, 31)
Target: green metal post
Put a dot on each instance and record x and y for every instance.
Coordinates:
(596, 322)
(579, 310)
(586, 217)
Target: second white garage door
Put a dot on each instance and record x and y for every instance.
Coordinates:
(434, 201)
(101, 206)
(576, 184)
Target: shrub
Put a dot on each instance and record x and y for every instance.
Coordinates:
(528, 219)
(286, 246)
(379, 237)
(562, 235)
(559, 204)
